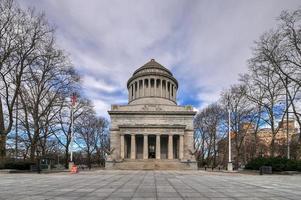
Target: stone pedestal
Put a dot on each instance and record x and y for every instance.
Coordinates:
(70, 165)
(230, 166)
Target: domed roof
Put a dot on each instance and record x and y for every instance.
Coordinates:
(152, 64)
(152, 68)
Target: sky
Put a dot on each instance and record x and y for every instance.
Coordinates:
(205, 43)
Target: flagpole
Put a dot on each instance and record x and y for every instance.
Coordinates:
(230, 166)
(72, 134)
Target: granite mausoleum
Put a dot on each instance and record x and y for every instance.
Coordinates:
(151, 131)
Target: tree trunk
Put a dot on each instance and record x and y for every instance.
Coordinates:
(273, 146)
(67, 157)
(2, 134)
(2, 146)
(33, 148)
(89, 161)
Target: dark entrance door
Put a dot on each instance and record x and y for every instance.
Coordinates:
(151, 146)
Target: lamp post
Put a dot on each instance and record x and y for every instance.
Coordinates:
(38, 162)
(287, 133)
(73, 101)
(230, 166)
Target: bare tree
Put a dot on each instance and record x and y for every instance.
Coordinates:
(22, 34)
(280, 50)
(206, 124)
(243, 117)
(89, 131)
(63, 129)
(49, 82)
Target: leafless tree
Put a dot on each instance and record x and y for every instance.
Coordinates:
(206, 125)
(279, 50)
(63, 129)
(89, 133)
(48, 83)
(22, 35)
(243, 118)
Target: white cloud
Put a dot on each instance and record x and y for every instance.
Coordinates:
(205, 43)
(91, 83)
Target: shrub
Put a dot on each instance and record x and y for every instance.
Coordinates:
(20, 165)
(277, 163)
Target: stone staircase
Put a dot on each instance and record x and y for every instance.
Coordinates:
(153, 164)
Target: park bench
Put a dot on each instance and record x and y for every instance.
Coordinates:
(265, 170)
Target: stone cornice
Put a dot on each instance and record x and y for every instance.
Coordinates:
(174, 126)
(191, 113)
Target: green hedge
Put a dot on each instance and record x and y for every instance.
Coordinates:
(277, 163)
(20, 165)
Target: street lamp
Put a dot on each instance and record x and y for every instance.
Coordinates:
(38, 162)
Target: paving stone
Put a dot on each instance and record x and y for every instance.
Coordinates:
(148, 185)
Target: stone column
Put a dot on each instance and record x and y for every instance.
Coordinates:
(133, 146)
(122, 146)
(175, 94)
(145, 147)
(149, 87)
(170, 147)
(129, 89)
(155, 86)
(158, 145)
(143, 88)
(166, 89)
(181, 147)
(161, 87)
(172, 92)
(138, 88)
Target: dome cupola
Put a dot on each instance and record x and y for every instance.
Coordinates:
(152, 84)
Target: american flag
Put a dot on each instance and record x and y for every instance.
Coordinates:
(73, 99)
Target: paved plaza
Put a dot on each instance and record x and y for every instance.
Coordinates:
(150, 185)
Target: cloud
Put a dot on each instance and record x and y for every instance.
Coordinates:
(91, 83)
(205, 43)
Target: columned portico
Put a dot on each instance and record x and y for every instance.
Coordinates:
(152, 146)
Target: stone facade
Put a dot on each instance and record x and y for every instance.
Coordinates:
(152, 126)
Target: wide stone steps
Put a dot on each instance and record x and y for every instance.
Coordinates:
(151, 164)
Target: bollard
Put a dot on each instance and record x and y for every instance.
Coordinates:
(205, 168)
(260, 171)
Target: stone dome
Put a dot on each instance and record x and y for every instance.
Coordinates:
(152, 84)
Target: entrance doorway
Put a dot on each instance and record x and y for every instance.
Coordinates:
(151, 146)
